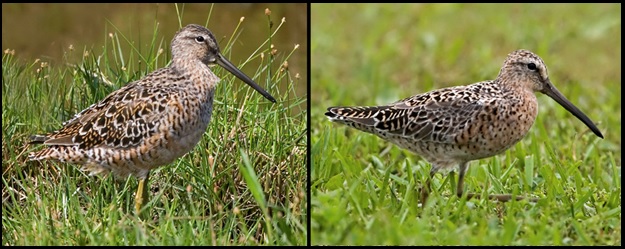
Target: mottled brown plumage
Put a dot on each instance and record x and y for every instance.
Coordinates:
(451, 126)
(150, 122)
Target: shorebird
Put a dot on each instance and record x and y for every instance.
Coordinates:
(149, 122)
(452, 126)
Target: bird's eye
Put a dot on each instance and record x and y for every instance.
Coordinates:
(199, 39)
(531, 66)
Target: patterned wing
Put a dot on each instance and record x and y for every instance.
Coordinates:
(438, 116)
(121, 120)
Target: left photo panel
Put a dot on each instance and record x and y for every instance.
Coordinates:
(154, 124)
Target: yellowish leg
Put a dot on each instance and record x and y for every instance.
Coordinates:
(501, 197)
(425, 190)
(142, 193)
(459, 188)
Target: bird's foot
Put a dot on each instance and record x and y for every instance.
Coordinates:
(501, 197)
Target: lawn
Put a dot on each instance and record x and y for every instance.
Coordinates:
(364, 189)
(243, 184)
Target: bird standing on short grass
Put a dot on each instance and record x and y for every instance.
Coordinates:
(452, 126)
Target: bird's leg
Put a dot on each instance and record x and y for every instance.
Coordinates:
(425, 190)
(462, 170)
(142, 193)
(501, 197)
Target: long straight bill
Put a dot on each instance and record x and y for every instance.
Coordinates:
(223, 62)
(552, 92)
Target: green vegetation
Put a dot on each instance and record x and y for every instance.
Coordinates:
(364, 190)
(244, 184)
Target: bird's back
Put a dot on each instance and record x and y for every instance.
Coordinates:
(448, 125)
(143, 125)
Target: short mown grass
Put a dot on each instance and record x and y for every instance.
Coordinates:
(244, 184)
(364, 189)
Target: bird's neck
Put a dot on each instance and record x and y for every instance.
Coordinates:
(196, 71)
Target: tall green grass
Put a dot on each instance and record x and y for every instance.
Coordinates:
(364, 190)
(244, 184)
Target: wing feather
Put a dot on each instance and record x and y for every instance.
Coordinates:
(438, 116)
(120, 120)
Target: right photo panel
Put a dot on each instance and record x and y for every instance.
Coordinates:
(465, 124)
